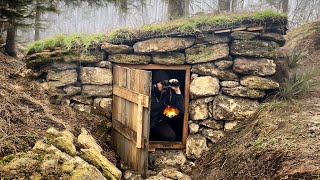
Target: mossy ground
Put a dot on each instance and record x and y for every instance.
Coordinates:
(184, 26)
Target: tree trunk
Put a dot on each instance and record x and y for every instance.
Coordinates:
(285, 6)
(234, 5)
(177, 8)
(10, 47)
(37, 22)
(224, 5)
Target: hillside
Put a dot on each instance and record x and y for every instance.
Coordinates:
(26, 112)
(283, 141)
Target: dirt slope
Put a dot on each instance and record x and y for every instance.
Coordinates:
(283, 142)
(25, 113)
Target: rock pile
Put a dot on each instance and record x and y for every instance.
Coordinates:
(57, 156)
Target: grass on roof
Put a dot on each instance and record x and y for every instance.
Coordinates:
(184, 26)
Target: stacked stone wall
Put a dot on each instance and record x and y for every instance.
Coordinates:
(230, 73)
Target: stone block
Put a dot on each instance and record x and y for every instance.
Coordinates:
(278, 38)
(254, 48)
(254, 66)
(63, 77)
(193, 128)
(95, 75)
(205, 53)
(229, 84)
(212, 124)
(169, 58)
(97, 90)
(223, 64)
(244, 35)
(255, 82)
(103, 106)
(171, 158)
(129, 59)
(241, 91)
(212, 39)
(204, 86)
(116, 49)
(213, 135)
(228, 108)
(72, 90)
(210, 69)
(196, 146)
(165, 44)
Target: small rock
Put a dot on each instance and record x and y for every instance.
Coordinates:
(103, 106)
(104, 64)
(213, 135)
(72, 90)
(216, 125)
(82, 100)
(229, 84)
(196, 146)
(230, 125)
(193, 128)
(82, 107)
(198, 110)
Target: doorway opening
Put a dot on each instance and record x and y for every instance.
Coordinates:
(178, 123)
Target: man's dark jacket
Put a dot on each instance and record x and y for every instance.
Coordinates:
(169, 98)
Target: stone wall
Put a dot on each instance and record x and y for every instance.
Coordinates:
(230, 73)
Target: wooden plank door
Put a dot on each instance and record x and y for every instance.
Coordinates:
(131, 116)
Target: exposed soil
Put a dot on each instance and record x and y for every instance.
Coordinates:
(282, 142)
(26, 113)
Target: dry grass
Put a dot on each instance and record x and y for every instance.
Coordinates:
(26, 113)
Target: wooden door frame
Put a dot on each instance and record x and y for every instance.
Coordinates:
(168, 144)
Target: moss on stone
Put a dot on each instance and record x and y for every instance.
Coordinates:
(184, 26)
(8, 158)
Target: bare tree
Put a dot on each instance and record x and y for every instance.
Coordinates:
(285, 6)
(224, 5)
(177, 8)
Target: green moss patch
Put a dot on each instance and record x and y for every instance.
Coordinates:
(184, 26)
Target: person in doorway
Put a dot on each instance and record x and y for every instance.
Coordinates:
(163, 95)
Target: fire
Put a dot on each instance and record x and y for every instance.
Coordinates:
(170, 111)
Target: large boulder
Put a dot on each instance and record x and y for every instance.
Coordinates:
(241, 91)
(116, 49)
(278, 38)
(196, 146)
(254, 48)
(212, 39)
(254, 66)
(63, 77)
(165, 44)
(103, 106)
(227, 108)
(255, 82)
(164, 158)
(244, 35)
(204, 86)
(205, 53)
(95, 75)
(169, 58)
(129, 59)
(97, 90)
(210, 69)
(198, 109)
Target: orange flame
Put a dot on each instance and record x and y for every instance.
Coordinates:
(170, 112)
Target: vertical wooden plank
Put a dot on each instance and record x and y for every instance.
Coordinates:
(186, 106)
